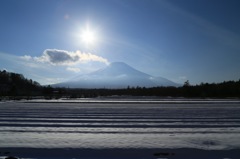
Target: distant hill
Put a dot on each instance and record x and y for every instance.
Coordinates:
(116, 75)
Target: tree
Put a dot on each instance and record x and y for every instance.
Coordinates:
(186, 84)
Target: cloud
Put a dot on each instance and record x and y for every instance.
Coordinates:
(63, 57)
(57, 57)
(26, 57)
(90, 57)
(73, 69)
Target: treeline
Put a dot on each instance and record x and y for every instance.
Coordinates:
(229, 89)
(16, 86)
(220, 90)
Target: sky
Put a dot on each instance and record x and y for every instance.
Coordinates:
(51, 41)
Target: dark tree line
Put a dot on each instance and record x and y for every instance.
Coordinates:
(16, 85)
(227, 89)
(221, 90)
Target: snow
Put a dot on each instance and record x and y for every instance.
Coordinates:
(116, 75)
(63, 129)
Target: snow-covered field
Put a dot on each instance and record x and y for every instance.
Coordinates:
(120, 129)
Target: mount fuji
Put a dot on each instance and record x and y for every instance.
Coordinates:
(116, 75)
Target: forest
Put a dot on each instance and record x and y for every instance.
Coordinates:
(16, 86)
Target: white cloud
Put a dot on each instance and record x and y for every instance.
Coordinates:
(73, 69)
(26, 57)
(90, 57)
(63, 57)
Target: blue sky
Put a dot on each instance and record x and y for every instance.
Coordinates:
(180, 40)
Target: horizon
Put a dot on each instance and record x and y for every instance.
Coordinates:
(110, 66)
(53, 41)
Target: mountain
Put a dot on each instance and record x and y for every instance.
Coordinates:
(116, 75)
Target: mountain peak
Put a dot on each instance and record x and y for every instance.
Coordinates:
(118, 64)
(119, 68)
(116, 75)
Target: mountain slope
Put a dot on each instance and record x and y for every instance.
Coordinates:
(116, 75)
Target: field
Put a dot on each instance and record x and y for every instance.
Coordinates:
(120, 129)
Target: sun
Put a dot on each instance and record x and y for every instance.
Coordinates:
(88, 36)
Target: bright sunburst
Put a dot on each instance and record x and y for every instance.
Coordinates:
(88, 36)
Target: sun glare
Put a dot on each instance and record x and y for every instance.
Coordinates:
(88, 36)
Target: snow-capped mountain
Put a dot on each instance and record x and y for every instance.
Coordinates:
(116, 75)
